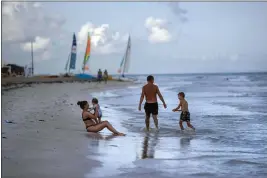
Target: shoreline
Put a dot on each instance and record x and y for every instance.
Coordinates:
(49, 131)
(20, 82)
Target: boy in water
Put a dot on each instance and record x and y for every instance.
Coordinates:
(97, 109)
(185, 114)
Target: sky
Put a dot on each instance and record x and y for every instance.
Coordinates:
(166, 37)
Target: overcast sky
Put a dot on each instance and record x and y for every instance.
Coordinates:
(186, 37)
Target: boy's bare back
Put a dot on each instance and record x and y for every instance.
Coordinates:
(184, 105)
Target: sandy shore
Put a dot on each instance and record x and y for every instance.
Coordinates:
(19, 82)
(47, 137)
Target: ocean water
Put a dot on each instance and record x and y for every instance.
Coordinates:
(229, 112)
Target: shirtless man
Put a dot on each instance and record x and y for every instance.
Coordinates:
(185, 114)
(150, 91)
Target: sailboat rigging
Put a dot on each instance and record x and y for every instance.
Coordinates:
(125, 62)
(71, 62)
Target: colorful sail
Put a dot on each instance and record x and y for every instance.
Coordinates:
(87, 52)
(73, 53)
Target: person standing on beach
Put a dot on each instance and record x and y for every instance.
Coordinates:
(99, 76)
(106, 76)
(150, 92)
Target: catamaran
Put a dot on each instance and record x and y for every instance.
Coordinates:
(71, 62)
(125, 62)
(86, 60)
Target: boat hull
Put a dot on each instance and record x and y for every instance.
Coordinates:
(85, 76)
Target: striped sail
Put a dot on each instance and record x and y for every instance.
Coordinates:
(73, 53)
(87, 53)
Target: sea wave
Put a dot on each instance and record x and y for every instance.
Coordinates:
(239, 161)
(239, 79)
(104, 94)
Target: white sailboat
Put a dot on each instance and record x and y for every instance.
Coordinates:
(125, 63)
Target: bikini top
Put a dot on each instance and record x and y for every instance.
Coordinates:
(86, 119)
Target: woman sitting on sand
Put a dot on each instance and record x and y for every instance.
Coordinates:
(90, 125)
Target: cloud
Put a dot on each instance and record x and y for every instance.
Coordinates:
(24, 22)
(103, 40)
(157, 29)
(37, 5)
(9, 8)
(178, 11)
(39, 43)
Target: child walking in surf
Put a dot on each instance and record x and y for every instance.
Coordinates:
(185, 114)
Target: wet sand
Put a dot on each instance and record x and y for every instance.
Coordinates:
(47, 137)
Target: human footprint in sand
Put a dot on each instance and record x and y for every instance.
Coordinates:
(90, 125)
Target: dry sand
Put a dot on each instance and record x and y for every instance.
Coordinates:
(19, 82)
(48, 138)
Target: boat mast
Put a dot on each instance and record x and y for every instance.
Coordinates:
(69, 62)
(125, 65)
(32, 58)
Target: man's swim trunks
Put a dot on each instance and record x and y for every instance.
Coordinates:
(151, 108)
(185, 116)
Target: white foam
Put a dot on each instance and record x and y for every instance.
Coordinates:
(214, 94)
(219, 110)
(102, 94)
(239, 79)
(134, 87)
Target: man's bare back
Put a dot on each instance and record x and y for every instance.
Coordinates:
(150, 91)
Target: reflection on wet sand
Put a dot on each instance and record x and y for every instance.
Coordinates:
(185, 142)
(98, 136)
(95, 139)
(149, 144)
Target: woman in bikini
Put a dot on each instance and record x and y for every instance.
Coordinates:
(89, 118)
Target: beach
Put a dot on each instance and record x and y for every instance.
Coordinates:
(8, 83)
(47, 137)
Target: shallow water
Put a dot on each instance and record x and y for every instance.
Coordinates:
(228, 111)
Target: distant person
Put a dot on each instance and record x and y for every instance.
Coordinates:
(99, 76)
(97, 110)
(106, 76)
(90, 125)
(150, 91)
(185, 114)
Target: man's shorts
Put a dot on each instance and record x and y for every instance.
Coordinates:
(185, 116)
(151, 108)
